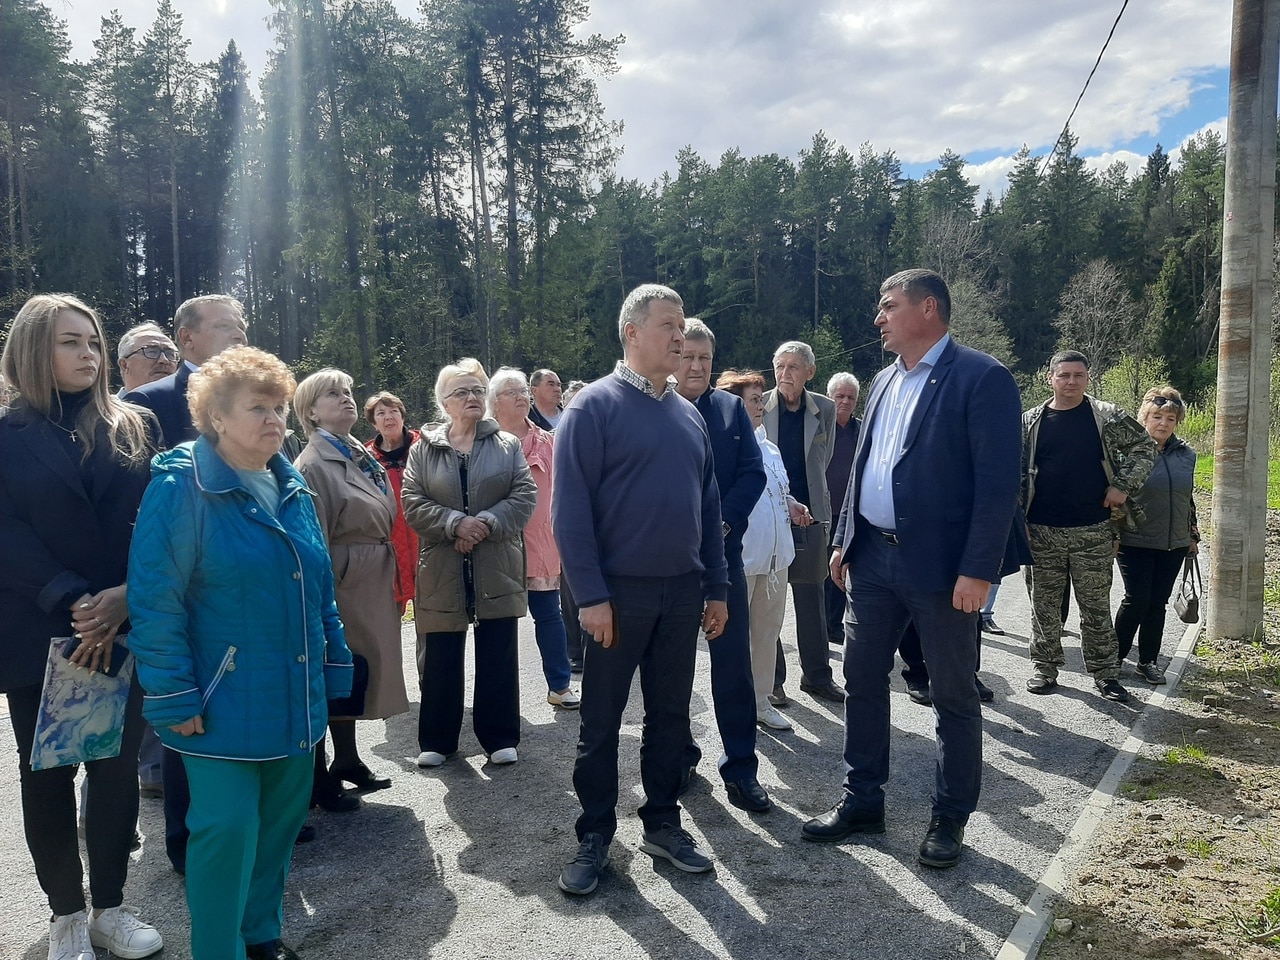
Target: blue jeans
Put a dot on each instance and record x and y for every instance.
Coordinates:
(732, 689)
(549, 631)
(657, 631)
(883, 596)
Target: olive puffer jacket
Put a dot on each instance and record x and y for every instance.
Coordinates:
(501, 492)
(233, 610)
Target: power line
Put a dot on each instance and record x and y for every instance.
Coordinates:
(1067, 126)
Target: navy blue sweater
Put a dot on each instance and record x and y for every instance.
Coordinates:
(635, 492)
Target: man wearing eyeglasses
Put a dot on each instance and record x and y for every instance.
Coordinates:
(206, 326)
(1081, 459)
(146, 354)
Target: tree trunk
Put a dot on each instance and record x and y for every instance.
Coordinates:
(1244, 350)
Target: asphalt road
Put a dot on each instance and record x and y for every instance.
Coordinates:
(461, 861)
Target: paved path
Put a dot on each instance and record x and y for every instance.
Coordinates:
(461, 862)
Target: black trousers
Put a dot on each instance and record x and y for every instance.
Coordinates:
(657, 633)
(1148, 576)
(495, 710)
(575, 638)
(914, 669)
(49, 811)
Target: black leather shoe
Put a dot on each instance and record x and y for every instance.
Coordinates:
(306, 834)
(271, 950)
(360, 777)
(843, 820)
(747, 794)
(823, 691)
(919, 693)
(990, 626)
(326, 794)
(942, 843)
(1039, 684)
(985, 693)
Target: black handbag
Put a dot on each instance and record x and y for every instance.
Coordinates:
(1187, 600)
(810, 564)
(353, 706)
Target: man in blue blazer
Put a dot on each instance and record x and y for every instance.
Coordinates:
(205, 327)
(740, 476)
(930, 521)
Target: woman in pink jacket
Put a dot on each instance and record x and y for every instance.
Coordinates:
(509, 405)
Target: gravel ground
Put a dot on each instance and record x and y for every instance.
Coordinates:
(461, 862)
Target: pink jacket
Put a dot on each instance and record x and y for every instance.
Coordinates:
(541, 556)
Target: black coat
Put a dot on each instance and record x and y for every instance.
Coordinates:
(167, 399)
(57, 540)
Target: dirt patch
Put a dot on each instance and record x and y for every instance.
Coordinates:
(1188, 867)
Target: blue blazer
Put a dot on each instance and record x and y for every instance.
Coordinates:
(739, 465)
(955, 488)
(167, 399)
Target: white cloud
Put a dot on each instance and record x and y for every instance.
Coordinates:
(913, 76)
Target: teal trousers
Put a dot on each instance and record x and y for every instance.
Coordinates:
(244, 818)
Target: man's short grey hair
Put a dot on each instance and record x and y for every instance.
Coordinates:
(635, 309)
(916, 284)
(131, 337)
(188, 314)
(503, 378)
(843, 379)
(538, 376)
(798, 347)
(695, 329)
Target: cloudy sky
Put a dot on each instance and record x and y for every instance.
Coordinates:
(980, 77)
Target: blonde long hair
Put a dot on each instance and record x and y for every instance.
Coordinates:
(28, 367)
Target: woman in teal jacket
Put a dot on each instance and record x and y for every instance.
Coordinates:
(239, 645)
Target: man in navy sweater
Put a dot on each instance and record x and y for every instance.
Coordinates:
(636, 514)
(741, 478)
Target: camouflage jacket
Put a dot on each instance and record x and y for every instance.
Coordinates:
(1128, 456)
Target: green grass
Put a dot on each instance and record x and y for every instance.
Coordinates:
(1189, 753)
(1204, 479)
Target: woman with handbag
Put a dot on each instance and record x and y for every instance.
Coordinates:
(1151, 556)
(73, 468)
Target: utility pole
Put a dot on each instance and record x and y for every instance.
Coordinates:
(1244, 343)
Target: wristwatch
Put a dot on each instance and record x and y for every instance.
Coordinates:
(726, 528)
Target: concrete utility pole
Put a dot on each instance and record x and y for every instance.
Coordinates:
(1244, 345)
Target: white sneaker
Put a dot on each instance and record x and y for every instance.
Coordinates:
(772, 719)
(429, 758)
(569, 699)
(504, 756)
(69, 937)
(122, 932)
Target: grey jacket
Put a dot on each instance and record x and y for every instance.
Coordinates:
(1167, 501)
(819, 442)
(500, 491)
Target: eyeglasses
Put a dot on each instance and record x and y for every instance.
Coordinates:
(463, 392)
(514, 394)
(155, 352)
(1161, 401)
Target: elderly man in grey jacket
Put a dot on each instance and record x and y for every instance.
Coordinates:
(802, 424)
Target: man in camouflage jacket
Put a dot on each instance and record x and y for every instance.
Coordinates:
(1082, 458)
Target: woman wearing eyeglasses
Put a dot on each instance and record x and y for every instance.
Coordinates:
(1151, 556)
(468, 494)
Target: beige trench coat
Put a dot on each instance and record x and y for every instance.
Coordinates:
(356, 518)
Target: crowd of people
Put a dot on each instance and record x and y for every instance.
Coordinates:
(258, 579)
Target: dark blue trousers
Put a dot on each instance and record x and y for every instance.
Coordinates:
(733, 692)
(657, 632)
(883, 596)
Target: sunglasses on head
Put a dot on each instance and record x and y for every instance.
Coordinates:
(1161, 401)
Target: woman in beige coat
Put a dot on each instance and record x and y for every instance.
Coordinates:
(468, 494)
(356, 507)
